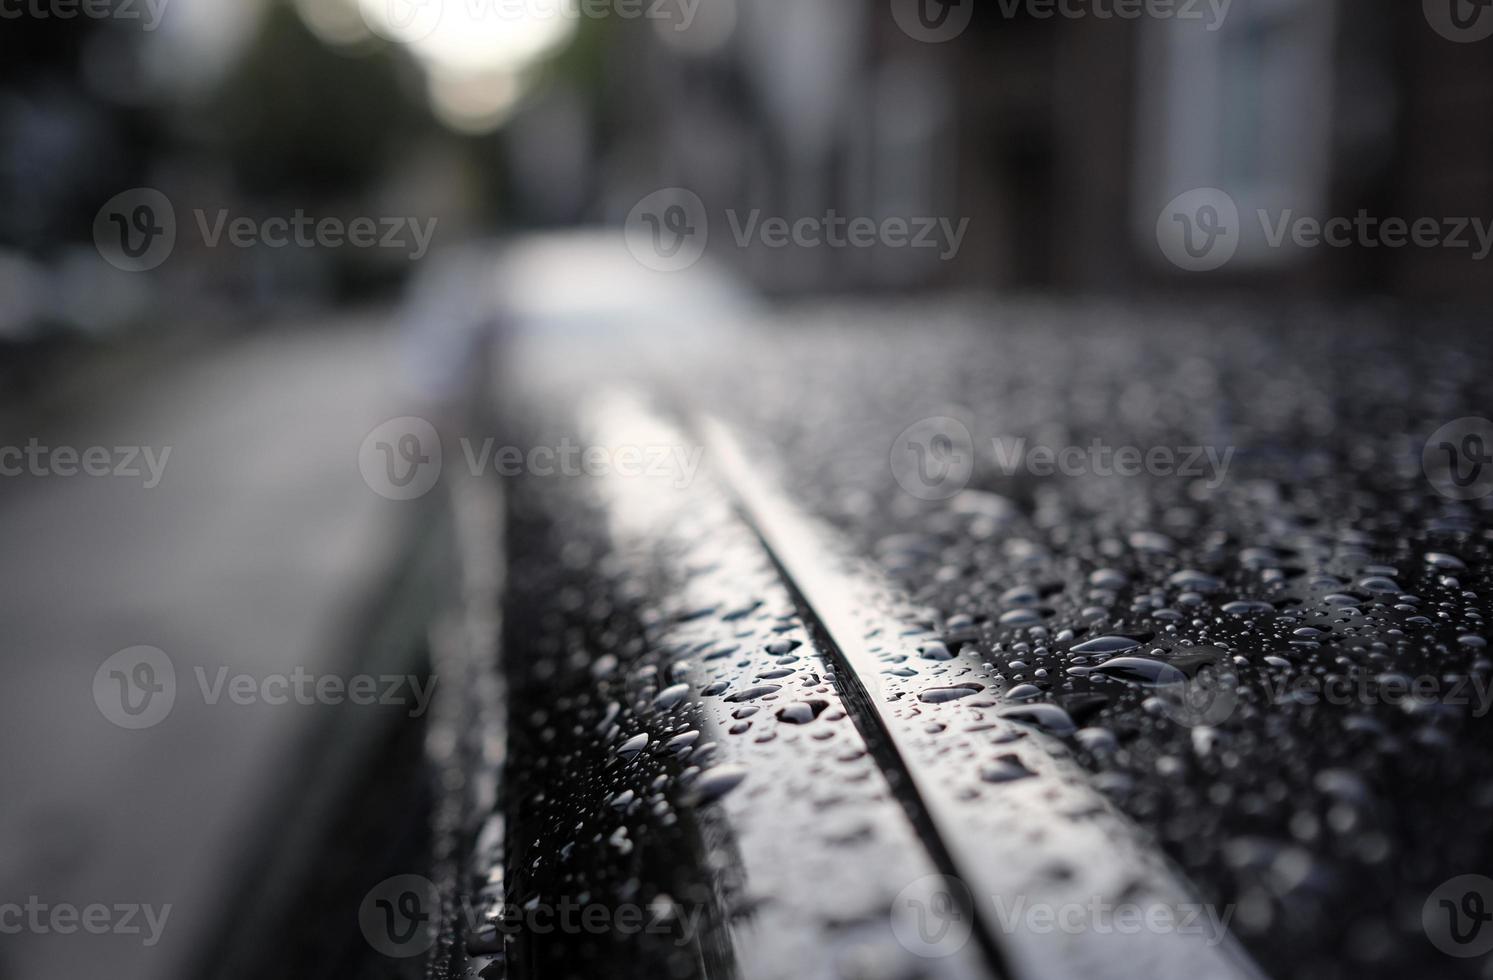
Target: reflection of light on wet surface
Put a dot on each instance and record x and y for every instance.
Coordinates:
(639, 504)
(683, 746)
(1045, 837)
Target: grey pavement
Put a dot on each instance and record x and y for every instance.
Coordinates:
(251, 554)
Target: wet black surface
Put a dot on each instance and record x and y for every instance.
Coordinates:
(1275, 670)
(680, 752)
(1312, 585)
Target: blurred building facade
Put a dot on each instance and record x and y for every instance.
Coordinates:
(1062, 138)
(1058, 139)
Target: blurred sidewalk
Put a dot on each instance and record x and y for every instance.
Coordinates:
(252, 554)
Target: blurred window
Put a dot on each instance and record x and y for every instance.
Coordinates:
(1245, 107)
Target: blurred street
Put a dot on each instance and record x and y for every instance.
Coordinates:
(255, 551)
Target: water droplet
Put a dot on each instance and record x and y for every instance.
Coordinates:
(1379, 585)
(1005, 769)
(1142, 671)
(1246, 607)
(801, 712)
(633, 745)
(1048, 717)
(1151, 541)
(935, 651)
(1106, 644)
(1097, 739)
(753, 693)
(715, 783)
(1020, 595)
(940, 695)
(670, 696)
(1195, 581)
